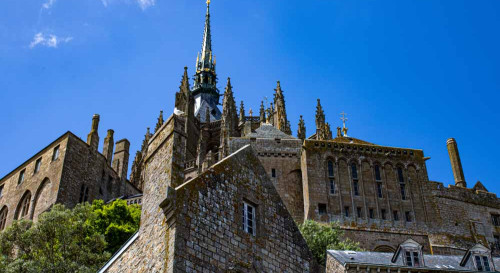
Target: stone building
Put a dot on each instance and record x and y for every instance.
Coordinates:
(408, 257)
(68, 171)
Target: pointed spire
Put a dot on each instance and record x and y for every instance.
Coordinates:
(242, 112)
(270, 114)
(160, 122)
(320, 116)
(206, 49)
(145, 142)
(185, 81)
(301, 131)
(262, 113)
(229, 124)
(280, 119)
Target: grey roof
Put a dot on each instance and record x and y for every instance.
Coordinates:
(434, 262)
(267, 130)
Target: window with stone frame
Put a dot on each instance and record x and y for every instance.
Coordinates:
(371, 213)
(331, 177)
(412, 258)
(378, 176)
(395, 215)
(482, 263)
(3, 218)
(359, 212)
(346, 211)
(322, 209)
(21, 177)
(383, 214)
(273, 172)
(354, 175)
(38, 164)
(402, 185)
(55, 153)
(408, 216)
(495, 220)
(25, 206)
(379, 189)
(249, 218)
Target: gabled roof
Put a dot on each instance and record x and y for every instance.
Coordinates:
(479, 187)
(267, 130)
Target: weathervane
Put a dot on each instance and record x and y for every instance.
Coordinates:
(344, 119)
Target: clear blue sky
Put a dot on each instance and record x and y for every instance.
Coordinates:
(408, 73)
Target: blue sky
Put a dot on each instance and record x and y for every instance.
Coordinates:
(408, 73)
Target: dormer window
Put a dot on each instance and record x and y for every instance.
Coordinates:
(482, 263)
(412, 258)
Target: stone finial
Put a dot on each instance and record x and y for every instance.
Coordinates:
(160, 121)
(456, 164)
(93, 136)
(262, 112)
(339, 132)
(242, 112)
(301, 131)
(107, 149)
(280, 117)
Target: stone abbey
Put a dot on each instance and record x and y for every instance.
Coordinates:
(223, 190)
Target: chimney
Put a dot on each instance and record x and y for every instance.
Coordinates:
(93, 136)
(120, 159)
(107, 149)
(456, 164)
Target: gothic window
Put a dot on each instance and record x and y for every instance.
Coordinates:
(383, 214)
(482, 263)
(21, 177)
(321, 209)
(331, 177)
(400, 175)
(495, 220)
(38, 164)
(55, 153)
(395, 215)
(379, 189)
(3, 218)
(378, 177)
(354, 171)
(84, 194)
(25, 206)
(249, 218)
(412, 258)
(358, 212)
(355, 187)
(408, 216)
(402, 187)
(370, 212)
(346, 211)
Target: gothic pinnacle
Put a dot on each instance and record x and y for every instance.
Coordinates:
(262, 113)
(242, 112)
(160, 122)
(301, 131)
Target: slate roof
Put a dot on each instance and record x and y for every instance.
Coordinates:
(269, 131)
(434, 262)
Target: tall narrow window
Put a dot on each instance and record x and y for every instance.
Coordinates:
(21, 177)
(497, 242)
(408, 216)
(495, 220)
(84, 194)
(3, 218)
(358, 212)
(402, 187)
(383, 214)
(371, 214)
(482, 263)
(248, 218)
(55, 153)
(379, 189)
(273, 172)
(346, 211)
(400, 175)
(395, 215)
(354, 174)
(38, 164)
(25, 206)
(378, 177)
(355, 187)
(331, 177)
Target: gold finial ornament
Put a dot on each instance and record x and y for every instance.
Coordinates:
(208, 2)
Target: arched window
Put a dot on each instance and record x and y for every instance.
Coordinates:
(402, 184)
(84, 194)
(331, 177)
(355, 183)
(24, 206)
(378, 180)
(3, 217)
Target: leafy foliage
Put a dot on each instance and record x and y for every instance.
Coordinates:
(68, 240)
(322, 237)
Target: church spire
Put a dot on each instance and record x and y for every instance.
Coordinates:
(280, 119)
(206, 49)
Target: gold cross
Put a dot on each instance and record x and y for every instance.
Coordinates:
(344, 119)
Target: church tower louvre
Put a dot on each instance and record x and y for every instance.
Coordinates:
(204, 91)
(280, 119)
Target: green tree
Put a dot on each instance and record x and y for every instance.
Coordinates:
(116, 221)
(61, 241)
(323, 237)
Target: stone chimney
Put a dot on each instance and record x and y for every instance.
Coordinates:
(93, 136)
(107, 149)
(456, 164)
(120, 159)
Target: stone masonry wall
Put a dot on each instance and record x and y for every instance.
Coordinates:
(210, 235)
(152, 251)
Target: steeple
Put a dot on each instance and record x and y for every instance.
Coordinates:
(205, 89)
(229, 125)
(301, 131)
(280, 119)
